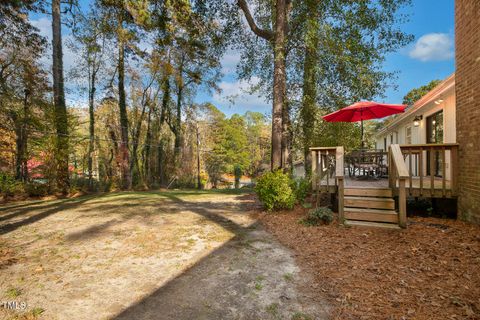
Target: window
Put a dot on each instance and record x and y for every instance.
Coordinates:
(435, 135)
(408, 135)
(435, 128)
(391, 138)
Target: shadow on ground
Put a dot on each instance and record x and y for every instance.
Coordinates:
(251, 276)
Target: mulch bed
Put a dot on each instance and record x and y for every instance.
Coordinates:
(431, 270)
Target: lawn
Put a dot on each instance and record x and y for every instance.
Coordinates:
(148, 255)
(90, 257)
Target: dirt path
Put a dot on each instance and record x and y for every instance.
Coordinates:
(149, 256)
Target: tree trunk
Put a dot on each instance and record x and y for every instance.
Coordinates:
(91, 113)
(21, 130)
(308, 110)
(287, 136)
(279, 84)
(178, 128)
(134, 165)
(279, 111)
(125, 163)
(146, 158)
(61, 121)
(161, 162)
(160, 149)
(199, 178)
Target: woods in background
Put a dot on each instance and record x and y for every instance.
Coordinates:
(138, 68)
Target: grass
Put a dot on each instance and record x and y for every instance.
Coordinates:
(37, 311)
(273, 309)
(258, 283)
(301, 316)
(159, 228)
(288, 276)
(13, 293)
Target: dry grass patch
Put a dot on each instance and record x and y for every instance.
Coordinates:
(91, 257)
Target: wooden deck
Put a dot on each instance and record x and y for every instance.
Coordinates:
(427, 170)
(413, 186)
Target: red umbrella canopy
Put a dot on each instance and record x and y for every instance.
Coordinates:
(364, 110)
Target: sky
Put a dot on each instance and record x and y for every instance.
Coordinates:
(430, 56)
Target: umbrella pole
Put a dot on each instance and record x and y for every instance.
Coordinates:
(363, 144)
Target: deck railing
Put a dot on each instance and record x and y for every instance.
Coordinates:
(432, 169)
(323, 167)
(328, 171)
(398, 171)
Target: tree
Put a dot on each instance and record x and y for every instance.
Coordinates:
(258, 137)
(61, 121)
(23, 83)
(308, 112)
(280, 113)
(342, 47)
(91, 43)
(123, 20)
(238, 175)
(415, 94)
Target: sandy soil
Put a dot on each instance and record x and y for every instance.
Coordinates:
(169, 255)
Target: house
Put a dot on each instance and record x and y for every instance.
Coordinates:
(431, 120)
(433, 148)
(418, 153)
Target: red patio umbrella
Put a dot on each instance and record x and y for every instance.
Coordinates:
(364, 110)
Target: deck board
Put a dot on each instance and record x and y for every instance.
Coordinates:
(416, 190)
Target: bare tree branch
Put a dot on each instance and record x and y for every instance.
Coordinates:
(262, 33)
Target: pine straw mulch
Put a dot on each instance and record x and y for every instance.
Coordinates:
(431, 270)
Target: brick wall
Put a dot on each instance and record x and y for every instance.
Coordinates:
(467, 87)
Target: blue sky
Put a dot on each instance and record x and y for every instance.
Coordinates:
(430, 56)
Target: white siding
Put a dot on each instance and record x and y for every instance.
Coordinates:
(419, 133)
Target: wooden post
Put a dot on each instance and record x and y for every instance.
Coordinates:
(444, 173)
(420, 165)
(314, 170)
(402, 204)
(391, 169)
(432, 172)
(410, 172)
(339, 174)
(454, 168)
(341, 217)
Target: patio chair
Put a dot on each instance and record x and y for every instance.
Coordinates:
(366, 162)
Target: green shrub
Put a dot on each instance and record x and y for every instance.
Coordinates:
(35, 189)
(321, 215)
(301, 187)
(274, 191)
(9, 186)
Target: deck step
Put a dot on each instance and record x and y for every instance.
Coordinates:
(375, 215)
(371, 224)
(369, 202)
(368, 192)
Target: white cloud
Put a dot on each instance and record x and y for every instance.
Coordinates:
(235, 93)
(433, 47)
(229, 61)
